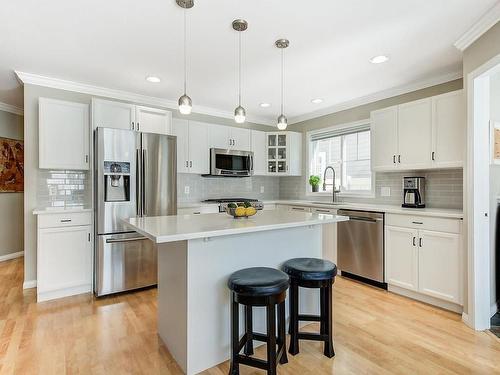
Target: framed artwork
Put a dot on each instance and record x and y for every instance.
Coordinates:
(11, 165)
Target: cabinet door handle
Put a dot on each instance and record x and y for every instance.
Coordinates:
(138, 127)
(394, 159)
(417, 222)
(420, 243)
(86, 159)
(414, 241)
(133, 126)
(399, 159)
(89, 237)
(187, 164)
(191, 164)
(433, 156)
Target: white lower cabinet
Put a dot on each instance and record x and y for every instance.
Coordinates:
(425, 256)
(402, 257)
(64, 256)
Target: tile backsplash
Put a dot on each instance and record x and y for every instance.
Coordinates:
(444, 188)
(63, 188)
(201, 188)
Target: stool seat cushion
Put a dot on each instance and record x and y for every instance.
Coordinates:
(258, 281)
(310, 269)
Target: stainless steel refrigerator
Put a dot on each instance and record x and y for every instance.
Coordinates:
(135, 175)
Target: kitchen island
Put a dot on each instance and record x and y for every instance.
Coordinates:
(196, 255)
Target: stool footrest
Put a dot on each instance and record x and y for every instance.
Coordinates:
(312, 336)
(310, 318)
(260, 337)
(249, 361)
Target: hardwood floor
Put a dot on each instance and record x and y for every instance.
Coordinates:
(375, 333)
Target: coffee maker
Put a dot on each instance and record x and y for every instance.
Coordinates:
(414, 192)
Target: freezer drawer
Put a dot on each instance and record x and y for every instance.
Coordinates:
(124, 262)
(360, 244)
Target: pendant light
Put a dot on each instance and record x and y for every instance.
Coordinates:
(239, 113)
(185, 102)
(282, 120)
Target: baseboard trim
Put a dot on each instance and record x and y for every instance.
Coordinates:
(28, 284)
(426, 299)
(10, 256)
(65, 292)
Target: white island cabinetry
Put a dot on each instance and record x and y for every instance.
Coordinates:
(197, 254)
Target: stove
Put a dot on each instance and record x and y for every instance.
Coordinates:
(223, 202)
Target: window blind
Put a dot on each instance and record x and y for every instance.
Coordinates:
(338, 132)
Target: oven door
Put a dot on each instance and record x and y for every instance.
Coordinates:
(124, 262)
(231, 163)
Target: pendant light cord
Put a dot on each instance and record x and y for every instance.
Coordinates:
(185, 51)
(239, 68)
(282, 79)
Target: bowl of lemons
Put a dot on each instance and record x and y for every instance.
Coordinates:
(240, 210)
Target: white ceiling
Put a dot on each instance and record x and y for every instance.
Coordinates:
(117, 43)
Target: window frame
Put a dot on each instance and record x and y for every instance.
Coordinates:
(343, 194)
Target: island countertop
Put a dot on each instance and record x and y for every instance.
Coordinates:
(161, 229)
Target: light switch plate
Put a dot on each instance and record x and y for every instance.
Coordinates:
(385, 191)
(186, 190)
(262, 189)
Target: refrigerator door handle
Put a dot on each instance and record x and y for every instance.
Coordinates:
(144, 176)
(138, 183)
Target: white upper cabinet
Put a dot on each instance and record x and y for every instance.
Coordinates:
(414, 133)
(259, 153)
(199, 152)
(153, 120)
(118, 115)
(63, 135)
(284, 154)
(384, 138)
(110, 114)
(448, 140)
(424, 134)
(192, 146)
(228, 137)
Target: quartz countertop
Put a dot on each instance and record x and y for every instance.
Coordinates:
(162, 229)
(60, 210)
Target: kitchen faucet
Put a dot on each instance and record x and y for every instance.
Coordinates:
(333, 185)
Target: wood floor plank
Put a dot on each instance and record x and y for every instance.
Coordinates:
(376, 332)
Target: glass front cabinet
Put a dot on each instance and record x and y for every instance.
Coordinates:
(284, 150)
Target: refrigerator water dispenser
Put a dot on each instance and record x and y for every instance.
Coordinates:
(116, 181)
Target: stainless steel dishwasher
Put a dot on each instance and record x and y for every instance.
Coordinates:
(360, 246)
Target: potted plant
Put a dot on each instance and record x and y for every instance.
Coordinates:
(314, 182)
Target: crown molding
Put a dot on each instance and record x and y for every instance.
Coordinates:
(83, 88)
(488, 20)
(381, 95)
(11, 109)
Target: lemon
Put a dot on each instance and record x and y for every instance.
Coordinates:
(249, 211)
(240, 211)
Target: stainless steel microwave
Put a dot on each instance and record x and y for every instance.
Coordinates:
(230, 163)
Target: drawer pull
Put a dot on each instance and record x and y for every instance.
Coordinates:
(320, 210)
(197, 213)
(417, 222)
(65, 220)
(298, 208)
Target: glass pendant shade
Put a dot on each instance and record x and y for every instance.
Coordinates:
(240, 115)
(185, 104)
(282, 122)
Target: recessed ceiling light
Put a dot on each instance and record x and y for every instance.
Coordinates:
(317, 101)
(265, 105)
(379, 59)
(153, 79)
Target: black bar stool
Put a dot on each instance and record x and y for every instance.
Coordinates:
(311, 273)
(258, 286)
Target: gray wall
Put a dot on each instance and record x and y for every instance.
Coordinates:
(35, 180)
(11, 204)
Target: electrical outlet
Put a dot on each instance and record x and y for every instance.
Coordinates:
(262, 189)
(186, 190)
(385, 191)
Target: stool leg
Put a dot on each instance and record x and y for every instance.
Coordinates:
(271, 341)
(294, 318)
(329, 352)
(235, 333)
(282, 333)
(323, 312)
(249, 330)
